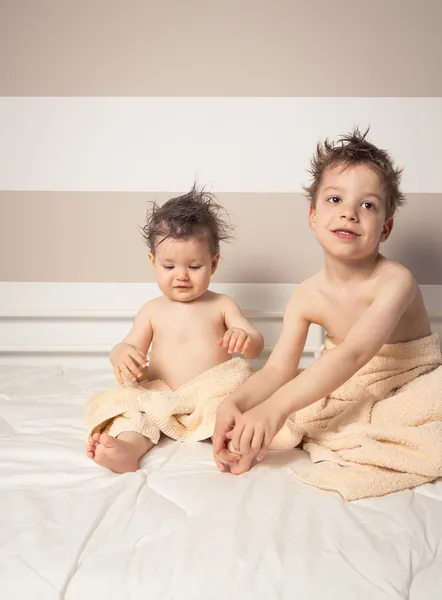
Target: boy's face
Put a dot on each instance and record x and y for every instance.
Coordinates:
(350, 214)
(183, 267)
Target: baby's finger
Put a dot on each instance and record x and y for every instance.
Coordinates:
(227, 336)
(118, 375)
(133, 367)
(125, 369)
(246, 345)
(233, 341)
(242, 339)
(137, 355)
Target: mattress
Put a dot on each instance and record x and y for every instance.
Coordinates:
(179, 529)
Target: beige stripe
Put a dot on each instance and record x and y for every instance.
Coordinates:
(228, 48)
(60, 236)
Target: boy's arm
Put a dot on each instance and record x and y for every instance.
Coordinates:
(250, 343)
(332, 369)
(280, 368)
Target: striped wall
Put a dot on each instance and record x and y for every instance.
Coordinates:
(105, 105)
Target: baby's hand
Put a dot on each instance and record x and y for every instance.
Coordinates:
(127, 360)
(236, 340)
(225, 459)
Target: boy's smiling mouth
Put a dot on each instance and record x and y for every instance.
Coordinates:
(345, 233)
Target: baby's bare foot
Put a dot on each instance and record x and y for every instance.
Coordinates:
(116, 454)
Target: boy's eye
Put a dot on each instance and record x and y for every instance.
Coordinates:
(368, 205)
(168, 267)
(195, 267)
(334, 200)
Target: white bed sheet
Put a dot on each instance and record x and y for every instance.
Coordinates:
(178, 529)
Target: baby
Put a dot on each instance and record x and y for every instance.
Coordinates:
(191, 330)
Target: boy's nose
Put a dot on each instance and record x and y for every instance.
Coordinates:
(349, 214)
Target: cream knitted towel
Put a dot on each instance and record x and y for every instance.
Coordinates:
(381, 431)
(186, 414)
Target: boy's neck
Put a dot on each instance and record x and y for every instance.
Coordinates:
(339, 271)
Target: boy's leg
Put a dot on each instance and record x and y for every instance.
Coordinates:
(119, 454)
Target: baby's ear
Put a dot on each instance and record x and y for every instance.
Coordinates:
(152, 259)
(386, 229)
(215, 261)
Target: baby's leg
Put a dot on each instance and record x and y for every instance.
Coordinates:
(119, 454)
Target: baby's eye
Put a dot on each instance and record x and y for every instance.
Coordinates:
(195, 267)
(368, 205)
(334, 200)
(168, 267)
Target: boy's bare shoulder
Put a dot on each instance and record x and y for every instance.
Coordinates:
(305, 296)
(390, 273)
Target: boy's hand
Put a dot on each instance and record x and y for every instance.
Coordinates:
(236, 340)
(127, 360)
(226, 417)
(255, 430)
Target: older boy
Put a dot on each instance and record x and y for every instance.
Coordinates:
(364, 302)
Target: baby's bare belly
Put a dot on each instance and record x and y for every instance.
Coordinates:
(176, 363)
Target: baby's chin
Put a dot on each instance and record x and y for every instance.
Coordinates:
(185, 295)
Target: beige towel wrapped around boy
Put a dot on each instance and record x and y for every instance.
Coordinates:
(381, 431)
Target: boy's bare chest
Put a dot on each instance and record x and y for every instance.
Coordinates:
(341, 312)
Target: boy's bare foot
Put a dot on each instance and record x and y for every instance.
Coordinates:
(227, 460)
(120, 455)
(243, 465)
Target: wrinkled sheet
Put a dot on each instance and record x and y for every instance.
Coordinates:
(179, 529)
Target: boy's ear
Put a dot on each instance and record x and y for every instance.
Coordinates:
(215, 260)
(386, 229)
(152, 259)
(312, 217)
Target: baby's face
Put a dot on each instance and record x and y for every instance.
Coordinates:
(349, 217)
(183, 267)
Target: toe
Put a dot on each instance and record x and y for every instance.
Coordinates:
(96, 437)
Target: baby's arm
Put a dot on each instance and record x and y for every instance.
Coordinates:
(241, 337)
(332, 369)
(129, 356)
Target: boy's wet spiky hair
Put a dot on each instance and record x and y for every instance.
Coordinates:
(354, 149)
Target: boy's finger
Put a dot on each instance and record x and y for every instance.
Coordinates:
(246, 439)
(236, 437)
(257, 442)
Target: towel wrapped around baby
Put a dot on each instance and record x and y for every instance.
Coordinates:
(186, 414)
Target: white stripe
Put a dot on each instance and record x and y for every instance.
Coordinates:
(231, 144)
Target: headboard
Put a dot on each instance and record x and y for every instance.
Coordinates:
(75, 324)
